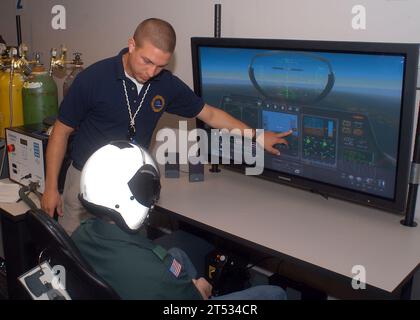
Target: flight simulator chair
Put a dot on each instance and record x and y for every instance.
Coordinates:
(53, 243)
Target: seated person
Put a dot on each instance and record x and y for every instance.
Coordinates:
(120, 183)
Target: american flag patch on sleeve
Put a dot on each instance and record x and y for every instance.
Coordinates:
(175, 268)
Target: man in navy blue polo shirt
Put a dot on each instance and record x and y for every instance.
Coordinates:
(119, 97)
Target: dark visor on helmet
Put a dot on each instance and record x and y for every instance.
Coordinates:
(145, 185)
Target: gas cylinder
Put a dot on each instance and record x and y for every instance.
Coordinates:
(39, 93)
(77, 68)
(17, 109)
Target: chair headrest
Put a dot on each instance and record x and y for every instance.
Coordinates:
(51, 233)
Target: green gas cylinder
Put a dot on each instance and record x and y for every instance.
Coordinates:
(39, 95)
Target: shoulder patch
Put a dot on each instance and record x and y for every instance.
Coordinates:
(160, 252)
(175, 268)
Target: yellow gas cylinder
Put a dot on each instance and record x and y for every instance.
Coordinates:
(17, 108)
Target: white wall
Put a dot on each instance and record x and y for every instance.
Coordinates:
(100, 28)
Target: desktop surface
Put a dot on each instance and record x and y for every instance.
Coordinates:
(328, 233)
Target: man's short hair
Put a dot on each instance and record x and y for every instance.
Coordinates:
(159, 32)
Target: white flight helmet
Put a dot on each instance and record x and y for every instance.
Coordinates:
(121, 182)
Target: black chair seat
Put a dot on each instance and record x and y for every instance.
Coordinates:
(82, 282)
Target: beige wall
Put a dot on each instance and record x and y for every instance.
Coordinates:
(99, 28)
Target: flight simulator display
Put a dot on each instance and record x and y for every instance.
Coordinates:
(349, 106)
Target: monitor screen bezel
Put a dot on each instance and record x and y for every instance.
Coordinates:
(409, 50)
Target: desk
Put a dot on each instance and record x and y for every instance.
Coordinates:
(323, 238)
(18, 253)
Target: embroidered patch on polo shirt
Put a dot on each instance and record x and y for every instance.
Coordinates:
(175, 268)
(157, 103)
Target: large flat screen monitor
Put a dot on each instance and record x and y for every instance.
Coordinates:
(350, 106)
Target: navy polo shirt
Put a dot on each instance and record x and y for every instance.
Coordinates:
(96, 106)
